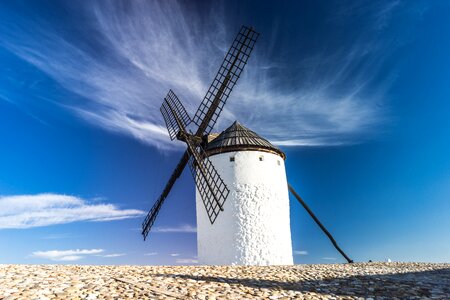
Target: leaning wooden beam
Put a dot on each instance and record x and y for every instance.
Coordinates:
(291, 189)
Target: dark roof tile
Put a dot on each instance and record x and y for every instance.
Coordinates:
(237, 136)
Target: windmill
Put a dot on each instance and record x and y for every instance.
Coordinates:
(220, 240)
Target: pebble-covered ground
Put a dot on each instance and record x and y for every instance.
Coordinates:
(338, 281)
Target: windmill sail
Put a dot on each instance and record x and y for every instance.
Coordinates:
(211, 187)
(222, 85)
(153, 213)
(174, 115)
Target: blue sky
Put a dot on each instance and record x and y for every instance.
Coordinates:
(356, 94)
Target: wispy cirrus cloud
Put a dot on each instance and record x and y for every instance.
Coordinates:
(66, 255)
(112, 255)
(184, 228)
(26, 211)
(143, 48)
(300, 252)
(57, 236)
(186, 261)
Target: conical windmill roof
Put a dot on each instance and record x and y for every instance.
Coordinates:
(239, 138)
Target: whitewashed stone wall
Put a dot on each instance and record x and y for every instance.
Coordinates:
(254, 228)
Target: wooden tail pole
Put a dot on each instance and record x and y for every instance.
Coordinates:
(291, 189)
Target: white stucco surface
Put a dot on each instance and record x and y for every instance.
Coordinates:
(254, 228)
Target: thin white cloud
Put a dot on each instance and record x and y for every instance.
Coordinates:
(66, 255)
(26, 211)
(379, 12)
(70, 258)
(113, 255)
(300, 252)
(187, 261)
(151, 253)
(57, 236)
(175, 254)
(185, 228)
(329, 258)
(321, 99)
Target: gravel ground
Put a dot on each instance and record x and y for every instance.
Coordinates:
(337, 281)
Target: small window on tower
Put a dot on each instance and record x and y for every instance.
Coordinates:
(261, 158)
(278, 162)
(231, 158)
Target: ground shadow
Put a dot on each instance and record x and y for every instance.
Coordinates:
(434, 283)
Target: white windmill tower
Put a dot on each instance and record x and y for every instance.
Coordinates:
(254, 227)
(242, 192)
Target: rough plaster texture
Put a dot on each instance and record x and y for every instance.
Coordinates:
(254, 228)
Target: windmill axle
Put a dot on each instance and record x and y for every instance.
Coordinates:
(184, 136)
